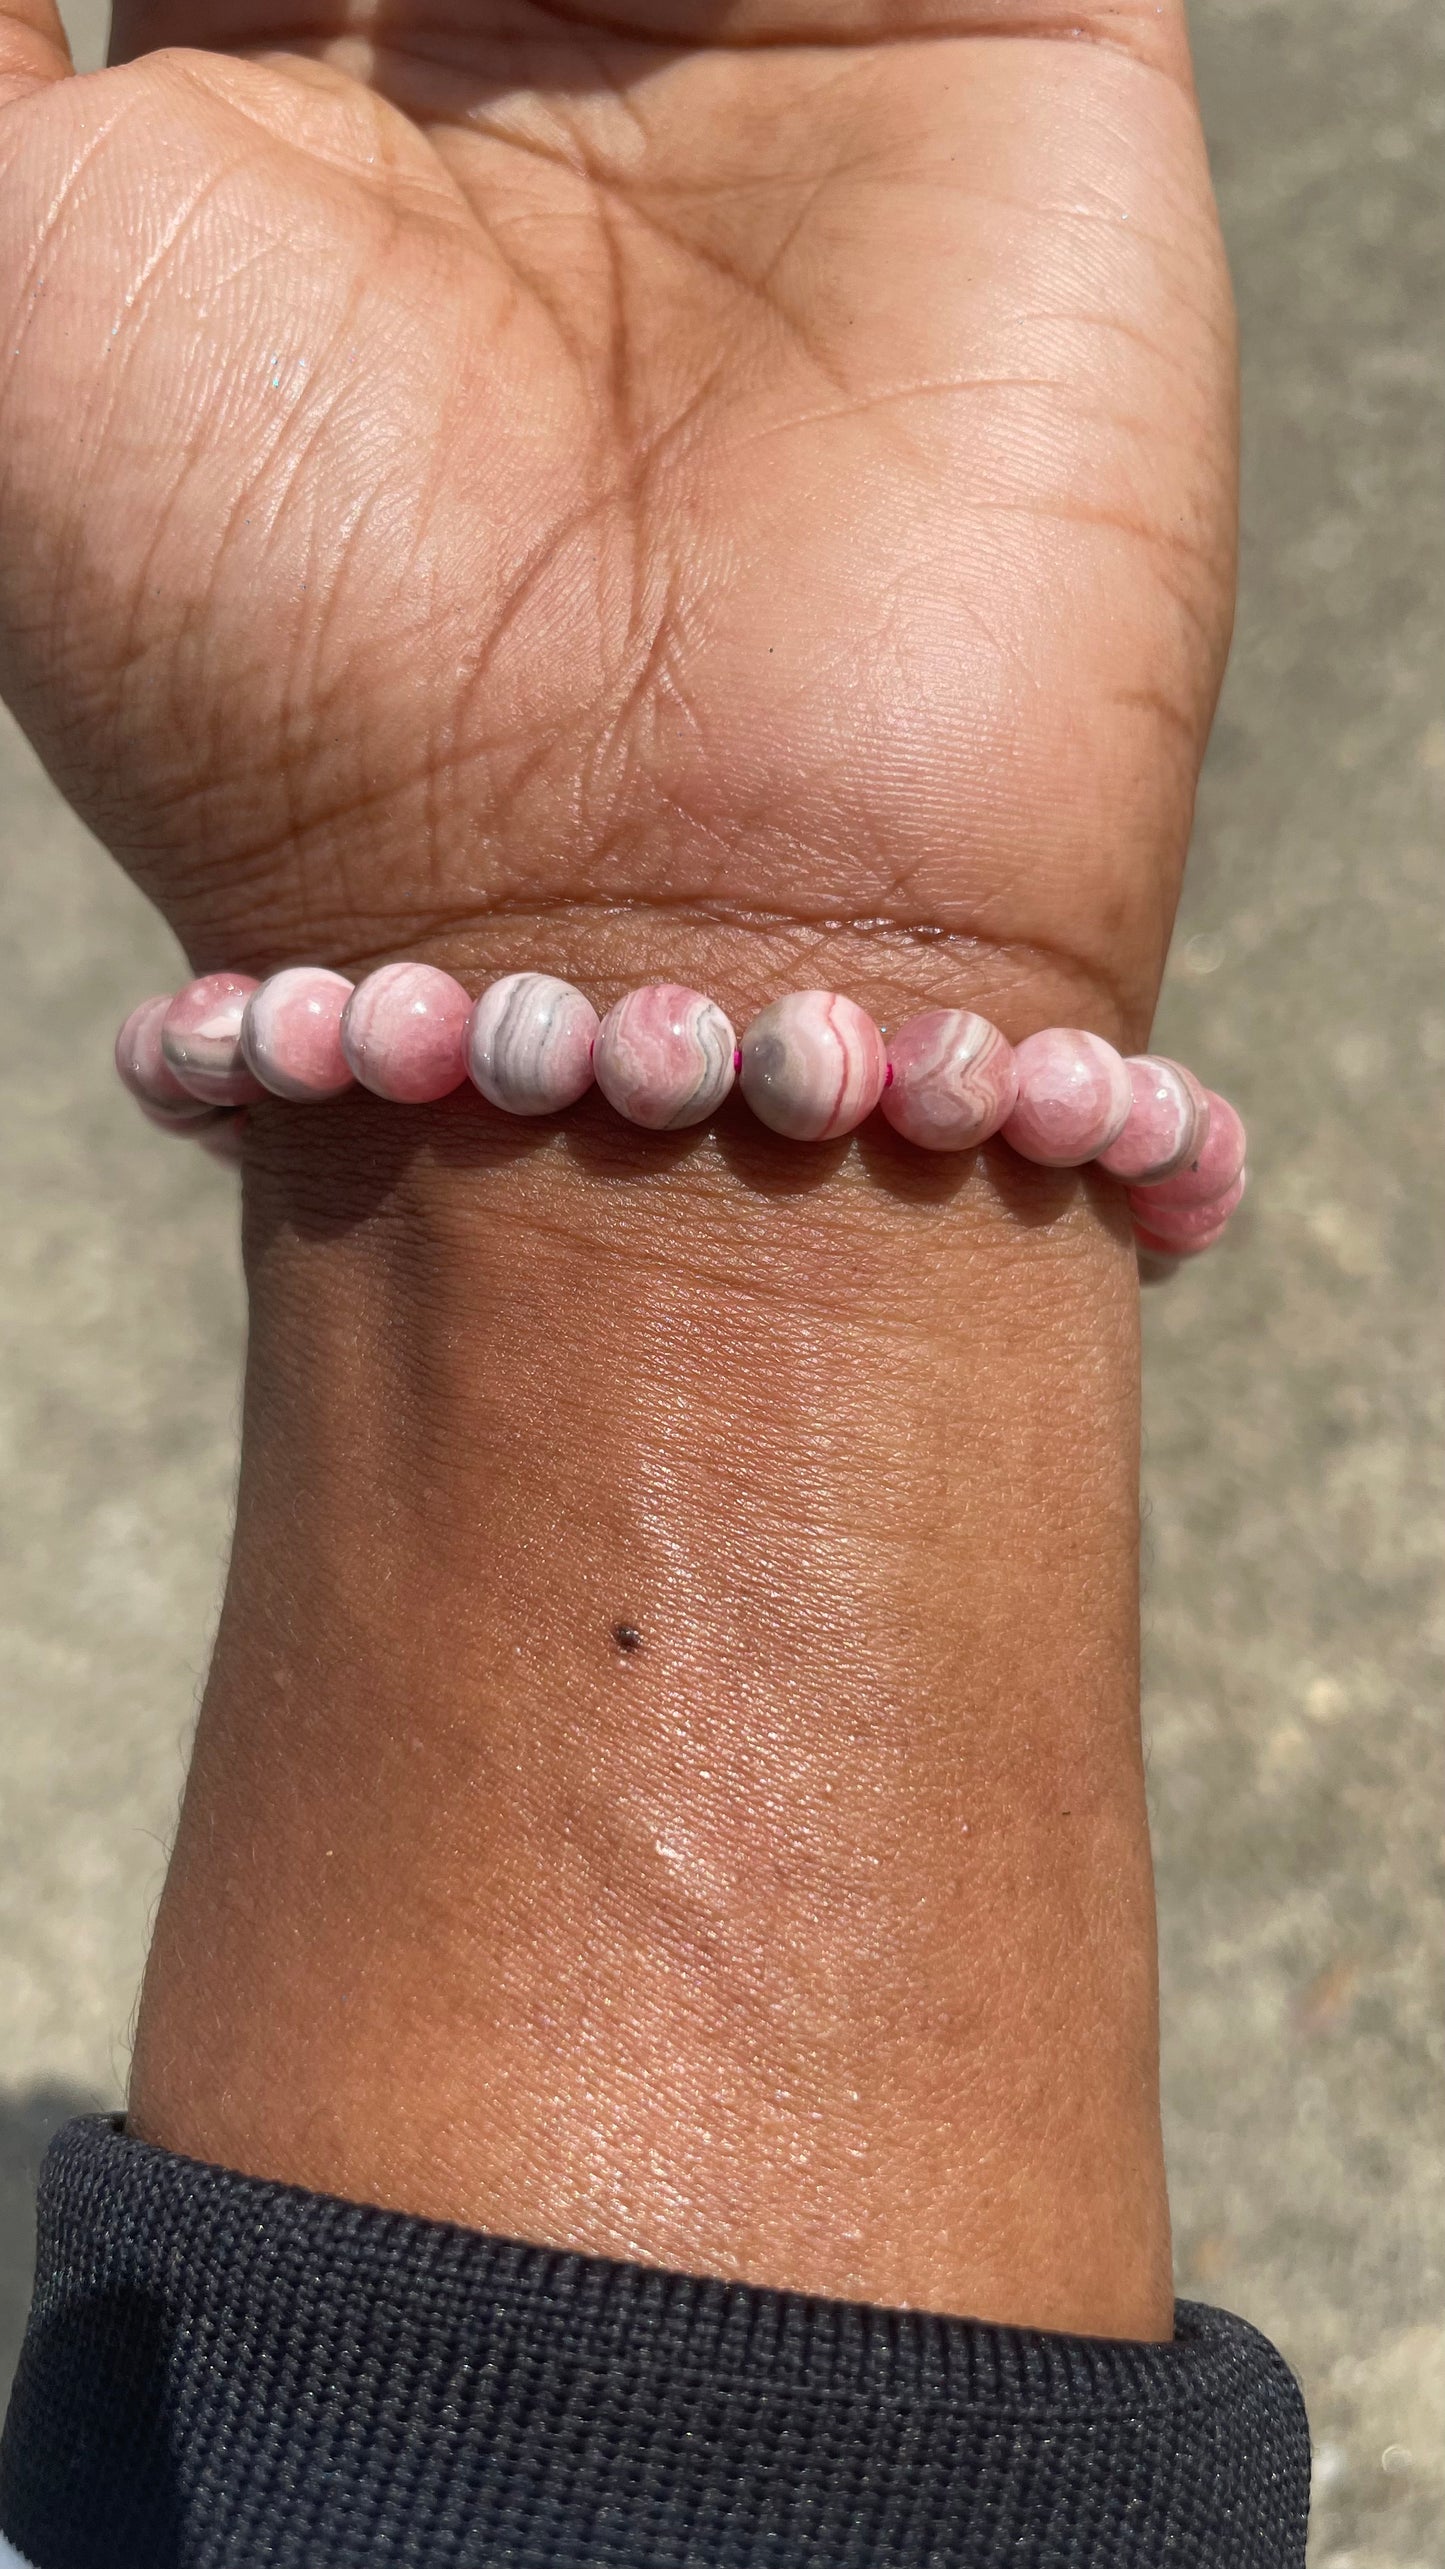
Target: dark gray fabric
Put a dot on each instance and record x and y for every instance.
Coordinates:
(226, 2374)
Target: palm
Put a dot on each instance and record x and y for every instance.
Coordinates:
(563, 474)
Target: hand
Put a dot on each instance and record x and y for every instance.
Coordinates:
(474, 474)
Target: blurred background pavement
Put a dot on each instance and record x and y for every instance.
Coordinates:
(1294, 1622)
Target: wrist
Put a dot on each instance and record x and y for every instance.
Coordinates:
(671, 1927)
(743, 952)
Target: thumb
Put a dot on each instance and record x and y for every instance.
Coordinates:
(33, 49)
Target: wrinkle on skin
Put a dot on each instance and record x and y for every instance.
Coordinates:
(672, 357)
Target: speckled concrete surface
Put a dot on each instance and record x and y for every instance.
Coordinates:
(1294, 1434)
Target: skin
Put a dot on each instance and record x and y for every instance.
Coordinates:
(741, 495)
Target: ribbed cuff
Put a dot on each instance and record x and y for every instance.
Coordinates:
(221, 2373)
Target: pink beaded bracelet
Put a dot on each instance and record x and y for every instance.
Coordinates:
(812, 1066)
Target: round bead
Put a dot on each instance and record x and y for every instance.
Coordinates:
(1212, 1171)
(404, 1033)
(1073, 1101)
(813, 1065)
(201, 1039)
(292, 1034)
(1167, 1122)
(953, 1080)
(529, 1043)
(664, 1056)
(1182, 1226)
(143, 1067)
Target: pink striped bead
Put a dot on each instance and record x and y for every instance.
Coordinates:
(1181, 1226)
(952, 1080)
(664, 1056)
(201, 1039)
(813, 1065)
(143, 1068)
(291, 1035)
(1213, 1169)
(404, 1033)
(1074, 1098)
(1167, 1122)
(529, 1043)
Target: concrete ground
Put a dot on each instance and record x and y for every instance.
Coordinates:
(1294, 1593)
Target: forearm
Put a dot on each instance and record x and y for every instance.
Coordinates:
(807, 1937)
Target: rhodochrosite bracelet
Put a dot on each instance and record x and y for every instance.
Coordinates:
(812, 1066)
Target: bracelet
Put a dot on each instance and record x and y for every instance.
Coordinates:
(811, 1066)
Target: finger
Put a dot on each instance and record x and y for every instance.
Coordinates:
(33, 49)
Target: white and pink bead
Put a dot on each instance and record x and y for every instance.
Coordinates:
(812, 1066)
